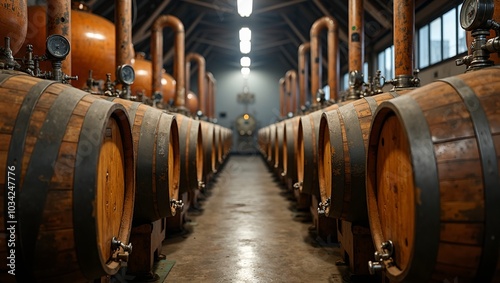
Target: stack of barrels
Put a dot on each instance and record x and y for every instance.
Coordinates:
(80, 170)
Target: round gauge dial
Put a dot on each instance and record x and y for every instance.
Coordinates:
(476, 13)
(57, 46)
(125, 74)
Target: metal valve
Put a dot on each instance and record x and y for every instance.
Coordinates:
(201, 185)
(374, 267)
(387, 248)
(297, 185)
(322, 206)
(176, 204)
(116, 244)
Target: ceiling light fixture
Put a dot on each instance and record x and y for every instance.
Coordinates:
(245, 34)
(245, 47)
(245, 72)
(245, 61)
(245, 7)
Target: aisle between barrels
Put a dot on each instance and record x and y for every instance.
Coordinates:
(248, 232)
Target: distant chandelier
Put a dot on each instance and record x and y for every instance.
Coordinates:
(245, 7)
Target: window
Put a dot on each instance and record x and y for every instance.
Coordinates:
(345, 81)
(435, 50)
(441, 39)
(365, 71)
(423, 46)
(386, 62)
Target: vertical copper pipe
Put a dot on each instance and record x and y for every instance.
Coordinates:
(356, 35)
(201, 77)
(157, 55)
(59, 22)
(291, 90)
(209, 85)
(123, 31)
(282, 97)
(404, 30)
(333, 53)
(303, 72)
(211, 95)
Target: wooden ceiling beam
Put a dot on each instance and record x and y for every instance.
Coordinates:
(277, 6)
(342, 34)
(293, 27)
(384, 19)
(211, 6)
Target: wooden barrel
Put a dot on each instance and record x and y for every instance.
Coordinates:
(191, 148)
(156, 150)
(209, 149)
(66, 187)
(307, 151)
(13, 23)
(279, 148)
(218, 145)
(342, 142)
(433, 180)
(271, 147)
(291, 129)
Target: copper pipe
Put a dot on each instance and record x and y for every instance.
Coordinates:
(303, 72)
(211, 95)
(291, 90)
(201, 77)
(356, 35)
(404, 30)
(208, 82)
(123, 32)
(157, 54)
(333, 53)
(59, 22)
(282, 97)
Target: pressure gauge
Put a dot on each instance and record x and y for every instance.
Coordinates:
(125, 74)
(355, 78)
(476, 13)
(57, 46)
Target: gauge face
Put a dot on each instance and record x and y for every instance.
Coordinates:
(126, 74)
(57, 46)
(476, 13)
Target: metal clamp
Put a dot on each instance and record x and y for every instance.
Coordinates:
(323, 206)
(176, 204)
(386, 255)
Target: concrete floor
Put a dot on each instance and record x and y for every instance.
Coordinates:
(249, 232)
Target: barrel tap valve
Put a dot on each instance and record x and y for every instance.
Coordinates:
(323, 206)
(176, 204)
(125, 249)
(386, 255)
(201, 185)
(297, 185)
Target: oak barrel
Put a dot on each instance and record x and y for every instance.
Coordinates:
(271, 147)
(307, 151)
(191, 150)
(342, 142)
(66, 159)
(290, 136)
(433, 181)
(156, 150)
(209, 149)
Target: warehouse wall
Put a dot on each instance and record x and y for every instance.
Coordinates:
(263, 83)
